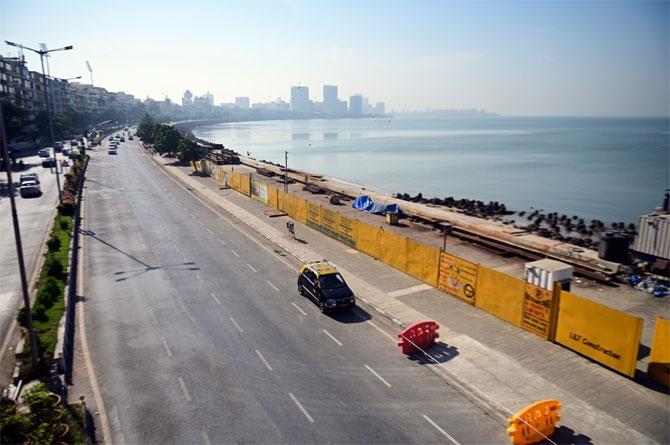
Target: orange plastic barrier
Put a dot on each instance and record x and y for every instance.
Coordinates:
(419, 335)
(535, 422)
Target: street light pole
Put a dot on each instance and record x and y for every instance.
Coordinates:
(19, 246)
(42, 53)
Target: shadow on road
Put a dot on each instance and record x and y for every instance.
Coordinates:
(564, 436)
(125, 275)
(358, 315)
(439, 353)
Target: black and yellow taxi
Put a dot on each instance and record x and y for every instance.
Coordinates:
(320, 281)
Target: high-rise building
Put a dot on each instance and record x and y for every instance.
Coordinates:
(187, 99)
(242, 103)
(356, 105)
(300, 99)
(380, 108)
(330, 104)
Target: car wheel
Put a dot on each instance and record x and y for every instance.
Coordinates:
(322, 307)
(301, 290)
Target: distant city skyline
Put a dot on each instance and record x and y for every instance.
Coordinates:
(513, 58)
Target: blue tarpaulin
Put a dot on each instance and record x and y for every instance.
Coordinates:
(366, 204)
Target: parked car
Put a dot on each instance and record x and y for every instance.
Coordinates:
(321, 282)
(30, 188)
(43, 153)
(58, 146)
(48, 162)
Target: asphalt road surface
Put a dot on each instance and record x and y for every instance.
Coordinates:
(198, 334)
(35, 215)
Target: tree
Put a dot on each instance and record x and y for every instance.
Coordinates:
(188, 151)
(13, 116)
(166, 138)
(145, 130)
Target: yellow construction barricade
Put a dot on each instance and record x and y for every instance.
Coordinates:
(500, 294)
(659, 359)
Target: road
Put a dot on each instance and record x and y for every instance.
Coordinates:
(198, 335)
(35, 215)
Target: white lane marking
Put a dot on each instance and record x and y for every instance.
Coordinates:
(184, 389)
(210, 231)
(409, 290)
(299, 309)
(177, 248)
(168, 236)
(235, 253)
(265, 362)
(252, 268)
(331, 336)
(167, 348)
(205, 437)
(393, 339)
(192, 216)
(222, 241)
(302, 408)
(199, 278)
(237, 325)
(201, 223)
(377, 375)
(272, 285)
(437, 427)
(153, 316)
(215, 299)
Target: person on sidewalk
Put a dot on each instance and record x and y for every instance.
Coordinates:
(290, 225)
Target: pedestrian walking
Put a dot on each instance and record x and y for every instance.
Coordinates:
(291, 229)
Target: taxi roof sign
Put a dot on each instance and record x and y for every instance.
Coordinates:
(322, 267)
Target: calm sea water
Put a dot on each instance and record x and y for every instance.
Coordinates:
(612, 169)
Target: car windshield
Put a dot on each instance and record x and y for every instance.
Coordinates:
(332, 281)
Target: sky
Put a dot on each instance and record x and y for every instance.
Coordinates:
(525, 58)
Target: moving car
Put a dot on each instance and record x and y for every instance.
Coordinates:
(32, 176)
(43, 153)
(48, 162)
(320, 281)
(111, 150)
(30, 188)
(58, 146)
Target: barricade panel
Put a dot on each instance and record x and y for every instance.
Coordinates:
(604, 334)
(369, 239)
(245, 185)
(393, 249)
(272, 197)
(422, 262)
(659, 359)
(458, 277)
(348, 230)
(300, 209)
(500, 294)
(538, 310)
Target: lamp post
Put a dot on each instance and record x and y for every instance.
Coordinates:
(42, 53)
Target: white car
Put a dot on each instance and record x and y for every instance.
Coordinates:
(30, 188)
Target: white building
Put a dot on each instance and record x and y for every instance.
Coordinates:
(300, 99)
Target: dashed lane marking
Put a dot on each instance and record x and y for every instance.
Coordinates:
(215, 299)
(222, 241)
(205, 437)
(265, 362)
(382, 331)
(237, 326)
(272, 285)
(184, 389)
(166, 347)
(199, 278)
(235, 253)
(374, 373)
(339, 343)
(210, 231)
(437, 427)
(302, 408)
(299, 309)
(252, 268)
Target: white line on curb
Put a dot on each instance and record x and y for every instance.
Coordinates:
(252, 268)
(265, 362)
(235, 253)
(298, 308)
(377, 375)
(237, 325)
(184, 389)
(215, 299)
(302, 408)
(272, 285)
(331, 336)
(167, 348)
(437, 427)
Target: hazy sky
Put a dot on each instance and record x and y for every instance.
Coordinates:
(515, 58)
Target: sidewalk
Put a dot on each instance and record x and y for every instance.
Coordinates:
(497, 364)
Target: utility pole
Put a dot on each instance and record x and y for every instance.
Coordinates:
(285, 171)
(19, 247)
(51, 127)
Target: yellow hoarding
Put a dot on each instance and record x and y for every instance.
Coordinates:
(245, 185)
(538, 310)
(369, 240)
(500, 294)
(348, 230)
(458, 277)
(601, 333)
(659, 359)
(272, 197)
(422, 262)
(393, 249)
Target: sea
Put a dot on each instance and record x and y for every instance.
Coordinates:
(612, 168)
